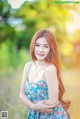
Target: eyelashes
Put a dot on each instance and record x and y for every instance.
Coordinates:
(43, 46)
(37, 45)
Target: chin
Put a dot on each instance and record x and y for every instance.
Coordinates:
(40, 58)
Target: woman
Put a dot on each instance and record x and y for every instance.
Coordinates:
(42, 88)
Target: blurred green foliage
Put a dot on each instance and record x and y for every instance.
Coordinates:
(17, 27)
(10, 58)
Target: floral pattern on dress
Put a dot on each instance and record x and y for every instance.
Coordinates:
(37, 92)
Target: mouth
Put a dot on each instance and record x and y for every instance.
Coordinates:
(40, 54)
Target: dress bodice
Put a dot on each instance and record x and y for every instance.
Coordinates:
(37, 91)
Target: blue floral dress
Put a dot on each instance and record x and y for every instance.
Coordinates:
(37, 92)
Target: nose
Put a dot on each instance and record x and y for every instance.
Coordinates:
(41, 49)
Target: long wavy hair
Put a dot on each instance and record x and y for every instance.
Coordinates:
(52, 58)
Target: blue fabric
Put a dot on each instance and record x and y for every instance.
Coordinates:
(39, 91)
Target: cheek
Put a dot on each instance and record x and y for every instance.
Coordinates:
(47, 51)
(35, 49)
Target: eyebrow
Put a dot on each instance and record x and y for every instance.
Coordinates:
(43, 44)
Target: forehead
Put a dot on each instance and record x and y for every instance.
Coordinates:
(42, 40)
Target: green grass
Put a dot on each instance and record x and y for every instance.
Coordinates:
(9, 95)
(10, 87)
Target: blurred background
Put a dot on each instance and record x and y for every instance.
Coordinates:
(18, 22)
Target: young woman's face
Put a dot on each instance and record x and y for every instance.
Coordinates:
(41, 49)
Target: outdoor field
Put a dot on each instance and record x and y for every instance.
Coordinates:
(10, 100)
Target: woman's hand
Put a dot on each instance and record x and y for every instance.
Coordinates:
(42, 107)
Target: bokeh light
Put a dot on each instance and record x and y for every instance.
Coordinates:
(15, 4)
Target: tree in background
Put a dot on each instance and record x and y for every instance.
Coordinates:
(18, 26)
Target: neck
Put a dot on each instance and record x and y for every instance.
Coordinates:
(40, 63)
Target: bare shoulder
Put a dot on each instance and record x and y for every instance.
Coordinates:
(51, 68)
(28, 65)
(50, 73)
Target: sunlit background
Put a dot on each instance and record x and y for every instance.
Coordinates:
(19, 20)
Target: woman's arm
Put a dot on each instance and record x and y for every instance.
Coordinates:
(39, 106)
(52, 82)
(23, 96)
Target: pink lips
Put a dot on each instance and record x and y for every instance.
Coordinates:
(40, 54)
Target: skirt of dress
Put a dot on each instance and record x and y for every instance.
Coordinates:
(37, 92)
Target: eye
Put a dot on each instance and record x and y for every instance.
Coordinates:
(46, 46)
(37, 45)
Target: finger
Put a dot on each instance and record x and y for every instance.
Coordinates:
(44, 101)
(48, 111)
(50, 107)
(45, 110)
